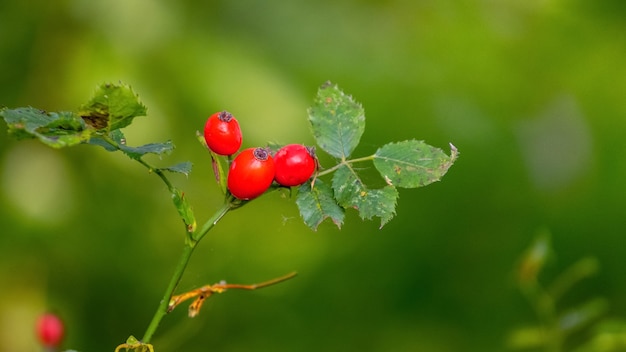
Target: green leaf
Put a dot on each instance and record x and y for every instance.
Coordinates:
(350, 191)
(113, 106)
(337, 121)
(116, 141)
(184, 210)
(411, 164)
(58, 130)
(150, 148)
(117, 136)
(317, 204)
(181, 168)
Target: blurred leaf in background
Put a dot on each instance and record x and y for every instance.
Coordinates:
(531, 92)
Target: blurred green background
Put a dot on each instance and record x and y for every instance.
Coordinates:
(531, 93)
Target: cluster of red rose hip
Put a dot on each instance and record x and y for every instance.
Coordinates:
(253, 170)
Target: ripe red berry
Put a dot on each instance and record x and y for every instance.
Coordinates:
(50, 330)
(295, 164)
(251, 173)
(222, 133)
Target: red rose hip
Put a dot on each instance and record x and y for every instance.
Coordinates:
(251, 173)
(222, 133)
(295, 164)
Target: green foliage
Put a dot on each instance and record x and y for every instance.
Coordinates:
(411, 164)
(99, 123)
(181, 168)
(338, 122)
(57, 130)
(184, 209)
(150, 148)
(350, 191)
(317, 204)
(474, 73)
(113, 106)
(557, 325)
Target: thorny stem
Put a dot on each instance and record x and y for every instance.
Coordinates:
(346, 162)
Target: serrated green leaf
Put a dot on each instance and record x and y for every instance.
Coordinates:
(150, 148)
(58, 130)
(317, 204)
(119, 143)
(113, 106)
(411, 164)
(184, 210)
(181, 168)
(97, 140)
(337, 121)
(350, 191)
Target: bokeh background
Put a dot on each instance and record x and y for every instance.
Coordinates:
(531, 93)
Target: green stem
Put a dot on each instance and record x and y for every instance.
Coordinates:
(162, 309)
(190, 245)
(150, 168)
(346, 162)
(230, 204)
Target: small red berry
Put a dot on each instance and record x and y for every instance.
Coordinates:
(251, 173)
(222, 133)
(50, 330)
(295, 164)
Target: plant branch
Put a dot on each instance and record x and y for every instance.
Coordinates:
(162, 309)
(140, 160)
(346, 162)
(190, 245)
(192, 240)
(230, 204)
